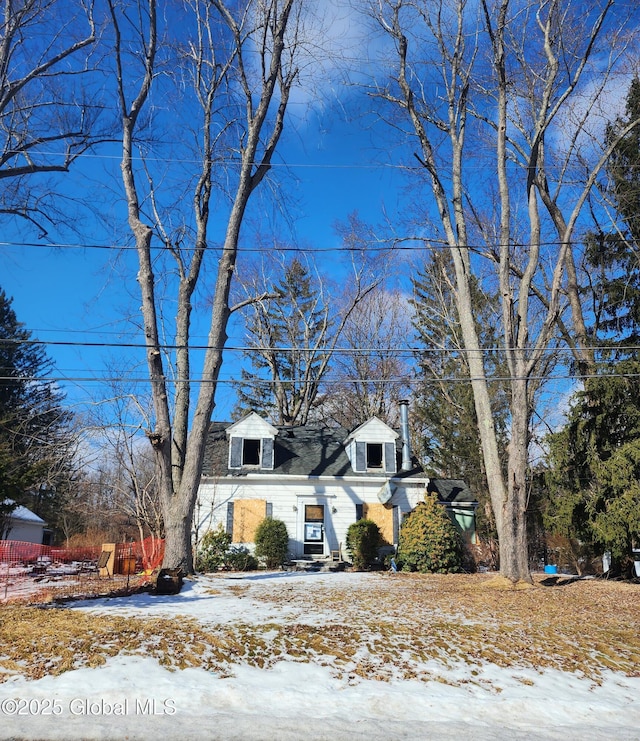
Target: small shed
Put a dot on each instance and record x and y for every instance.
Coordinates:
(25, 526)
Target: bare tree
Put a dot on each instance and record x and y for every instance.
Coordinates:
(239, 64)
(491, 89)
(117, 426)
(293, 332)
(47, 115)
(370, 372)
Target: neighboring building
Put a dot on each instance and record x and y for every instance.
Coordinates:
(317, 480)
(25, 526)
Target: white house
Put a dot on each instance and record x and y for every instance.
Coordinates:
(317, 480)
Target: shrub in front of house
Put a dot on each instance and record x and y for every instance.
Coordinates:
(363, 541)
(212, 550)
(240, 558)
(272, 542)
(429, 541)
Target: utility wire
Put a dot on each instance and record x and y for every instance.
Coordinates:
(394, 243)
(338, 350)
(325, 381)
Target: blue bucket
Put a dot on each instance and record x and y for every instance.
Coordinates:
(550, 569)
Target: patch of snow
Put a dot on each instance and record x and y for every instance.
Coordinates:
(135, 697)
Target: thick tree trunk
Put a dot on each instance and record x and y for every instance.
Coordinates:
(514, 549)
(178, 516)
(266, 32)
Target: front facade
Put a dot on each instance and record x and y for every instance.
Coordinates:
(317, 480)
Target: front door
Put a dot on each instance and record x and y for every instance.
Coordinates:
(313, 530)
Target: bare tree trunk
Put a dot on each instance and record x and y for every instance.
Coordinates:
(538, 56)
(262, 29)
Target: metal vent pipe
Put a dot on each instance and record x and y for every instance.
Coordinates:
(404, 428)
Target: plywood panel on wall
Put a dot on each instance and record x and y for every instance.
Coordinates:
(247, 515)
(383, 517)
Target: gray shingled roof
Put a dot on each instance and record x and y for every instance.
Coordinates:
(304, 451)
(451, 490)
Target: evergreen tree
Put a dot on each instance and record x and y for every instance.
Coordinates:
(594, 461)
(594, 477)
(623, 166)
(288, 336)
(613, 259)
(36, 444)
(429, 541)
(445, 412)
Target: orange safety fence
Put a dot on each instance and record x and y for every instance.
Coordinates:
(131, 558)
(144, 555)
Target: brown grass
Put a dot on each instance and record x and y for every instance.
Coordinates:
(382, 626)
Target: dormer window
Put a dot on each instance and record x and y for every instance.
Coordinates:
(251, 443)
(251, 452)
(374, 455)
(372, 448)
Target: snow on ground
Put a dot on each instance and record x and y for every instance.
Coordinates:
(134, 697)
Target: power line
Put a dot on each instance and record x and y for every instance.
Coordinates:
(292, 349)
(325, 381)
(405, 244)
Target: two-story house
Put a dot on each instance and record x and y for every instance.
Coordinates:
(317, 480)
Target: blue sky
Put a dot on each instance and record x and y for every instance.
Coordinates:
(337, 161)
(332, 161)
(74, 294)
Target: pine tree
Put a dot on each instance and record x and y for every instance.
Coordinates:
(594, 477)
(36, 445)
(613, 258)
(444, 409)
(288, 338)
(594, 461)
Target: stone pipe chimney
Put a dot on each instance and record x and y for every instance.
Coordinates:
(404, 429)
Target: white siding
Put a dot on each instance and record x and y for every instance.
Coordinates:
(287, 497)
(252, 426)
(26, 532)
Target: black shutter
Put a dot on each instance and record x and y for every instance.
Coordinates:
(235, 460)
(396, 525)
(390, 457)
(359, 511)
(361, 456)
(267, 453)
(230, 518)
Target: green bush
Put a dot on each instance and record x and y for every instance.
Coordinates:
(363, 541)
(272, 542)
(240, 559)
(429, 541)
(212, 550)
